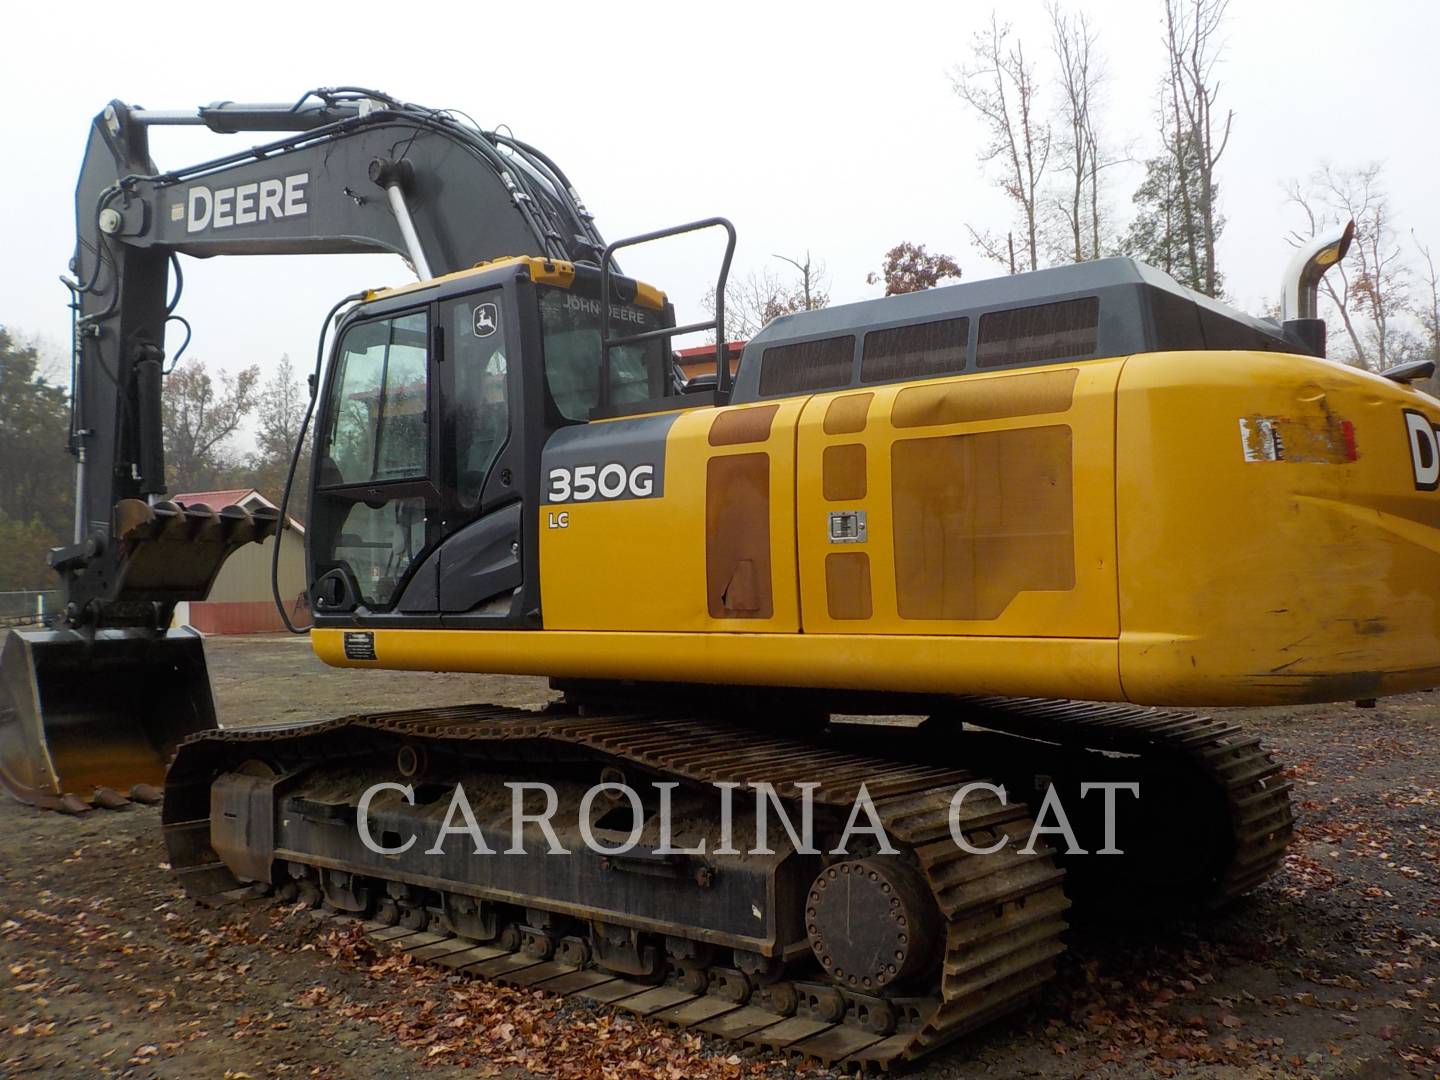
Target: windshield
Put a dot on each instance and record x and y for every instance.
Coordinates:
(570, 325)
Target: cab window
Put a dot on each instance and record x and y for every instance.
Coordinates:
(378, 403)
(570, 328)
(370, 516)
(478, 393)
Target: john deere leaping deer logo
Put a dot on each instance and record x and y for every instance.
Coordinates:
(487, 319)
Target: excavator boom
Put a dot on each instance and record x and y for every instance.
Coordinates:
(351, 171)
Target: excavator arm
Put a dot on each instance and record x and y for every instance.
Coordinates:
(357, 171)
(94, 705)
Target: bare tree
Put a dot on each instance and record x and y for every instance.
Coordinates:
(199, 418)
(1074, 44)
(754, 299)
(1000, 85)
(1193, 48)
(910, 268)
(1370, 289)
(1430, 310)
(281, 408)
(809, 292)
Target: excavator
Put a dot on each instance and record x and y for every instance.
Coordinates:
(946, 556)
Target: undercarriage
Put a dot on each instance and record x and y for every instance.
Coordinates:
(858, 892)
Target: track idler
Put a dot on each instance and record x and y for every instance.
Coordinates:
(872, 923)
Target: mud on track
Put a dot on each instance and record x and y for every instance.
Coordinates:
(1329, 970)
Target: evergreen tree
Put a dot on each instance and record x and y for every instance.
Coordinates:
(1162, 233)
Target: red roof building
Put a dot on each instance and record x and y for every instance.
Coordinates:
(700, 360)
(240, 601)
(246, 497)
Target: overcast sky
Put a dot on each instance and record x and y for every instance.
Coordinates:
(827, 127)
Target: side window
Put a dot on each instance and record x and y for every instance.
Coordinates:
(807, 365)
(570, 330)
(379, 544)
(1067, 330)
(378, 403)
(478, 394)
(915, 352)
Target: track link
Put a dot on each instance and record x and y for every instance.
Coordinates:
(1002, 915)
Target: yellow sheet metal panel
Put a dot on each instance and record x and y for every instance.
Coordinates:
(847, 585)
(1046, 667)
(979, 520)
(1276, 541)
(847, 413)
(844, 472)
(738, 559)
(642, 564)
(959, 401)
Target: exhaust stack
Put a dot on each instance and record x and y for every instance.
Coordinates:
(1300, 291)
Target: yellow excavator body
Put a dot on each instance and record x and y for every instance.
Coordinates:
(1225, 528)
(1087, 482)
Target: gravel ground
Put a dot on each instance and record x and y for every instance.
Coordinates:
(1329, 970)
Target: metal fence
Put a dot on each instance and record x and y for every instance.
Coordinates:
(29, 606)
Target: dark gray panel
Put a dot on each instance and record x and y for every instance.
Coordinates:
(422, 590)
(1131, 319)
(631, 444)
(481, 561)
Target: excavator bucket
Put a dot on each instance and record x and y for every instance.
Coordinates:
(93, 719)
(174, 552)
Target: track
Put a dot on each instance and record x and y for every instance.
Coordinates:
(1258, 821)
(986, 931)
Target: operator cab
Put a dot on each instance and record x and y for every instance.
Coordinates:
(438, 400)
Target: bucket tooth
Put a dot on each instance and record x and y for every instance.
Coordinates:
(237, 525)
(135, 520)
(109, 799)
(71, 804)
(148, 794)
(167, 511)
(202, 523)
(172, 524)
(267, 521)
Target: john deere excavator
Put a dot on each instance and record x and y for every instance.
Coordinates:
(1021, 509)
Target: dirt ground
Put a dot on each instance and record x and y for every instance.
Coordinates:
(1327, 971)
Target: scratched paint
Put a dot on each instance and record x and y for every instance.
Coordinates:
(1327, 439)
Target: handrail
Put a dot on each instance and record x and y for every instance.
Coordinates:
(722, 363)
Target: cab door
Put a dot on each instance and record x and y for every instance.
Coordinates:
(481, 458)
(417, 504)
(374, 511)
